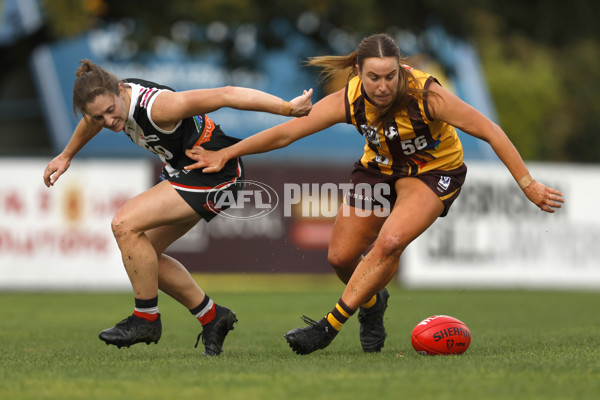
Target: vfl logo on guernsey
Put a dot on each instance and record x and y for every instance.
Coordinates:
(444, 183)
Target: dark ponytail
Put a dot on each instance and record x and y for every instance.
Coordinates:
(91, 81)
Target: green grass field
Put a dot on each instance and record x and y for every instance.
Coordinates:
(526, 345)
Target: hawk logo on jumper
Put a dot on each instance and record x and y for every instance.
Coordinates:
(391, 132)
(370, 133)
(443, 183)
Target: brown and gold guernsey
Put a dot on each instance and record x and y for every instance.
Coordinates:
(412, 144)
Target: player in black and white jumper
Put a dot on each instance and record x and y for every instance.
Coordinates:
(166, 123)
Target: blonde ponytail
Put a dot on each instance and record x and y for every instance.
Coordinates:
(333, 65)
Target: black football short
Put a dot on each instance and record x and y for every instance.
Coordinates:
(209, 194)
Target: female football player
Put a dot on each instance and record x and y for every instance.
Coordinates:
(166, 123)
(411, 147)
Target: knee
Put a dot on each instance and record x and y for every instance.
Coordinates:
(120, 226)
(341, 261)
(390, 245)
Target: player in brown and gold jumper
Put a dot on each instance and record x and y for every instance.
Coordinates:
(412, 149)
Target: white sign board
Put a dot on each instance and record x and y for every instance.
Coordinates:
(494, 237)
(60, 237)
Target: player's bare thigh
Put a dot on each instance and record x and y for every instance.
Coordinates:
(415, 209)
(353, 232)
(157, 206)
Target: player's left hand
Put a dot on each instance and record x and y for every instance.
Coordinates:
(546, 198)
(210, 161)
(302, 105)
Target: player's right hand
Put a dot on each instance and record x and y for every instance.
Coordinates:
(55, 169)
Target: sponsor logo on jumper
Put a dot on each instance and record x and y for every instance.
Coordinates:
(382, 159)
(370, 133)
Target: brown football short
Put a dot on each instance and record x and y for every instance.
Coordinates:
(373, 190)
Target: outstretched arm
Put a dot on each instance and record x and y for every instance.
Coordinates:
(449, 108)
(171, 107)
(84, 132)
(327, 112)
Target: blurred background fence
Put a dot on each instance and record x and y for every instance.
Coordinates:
(533, 67)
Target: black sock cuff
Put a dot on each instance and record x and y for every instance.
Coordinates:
(344, 307)
(204, 303)
(146, 303)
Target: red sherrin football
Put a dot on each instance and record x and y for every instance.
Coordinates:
(441, 334)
